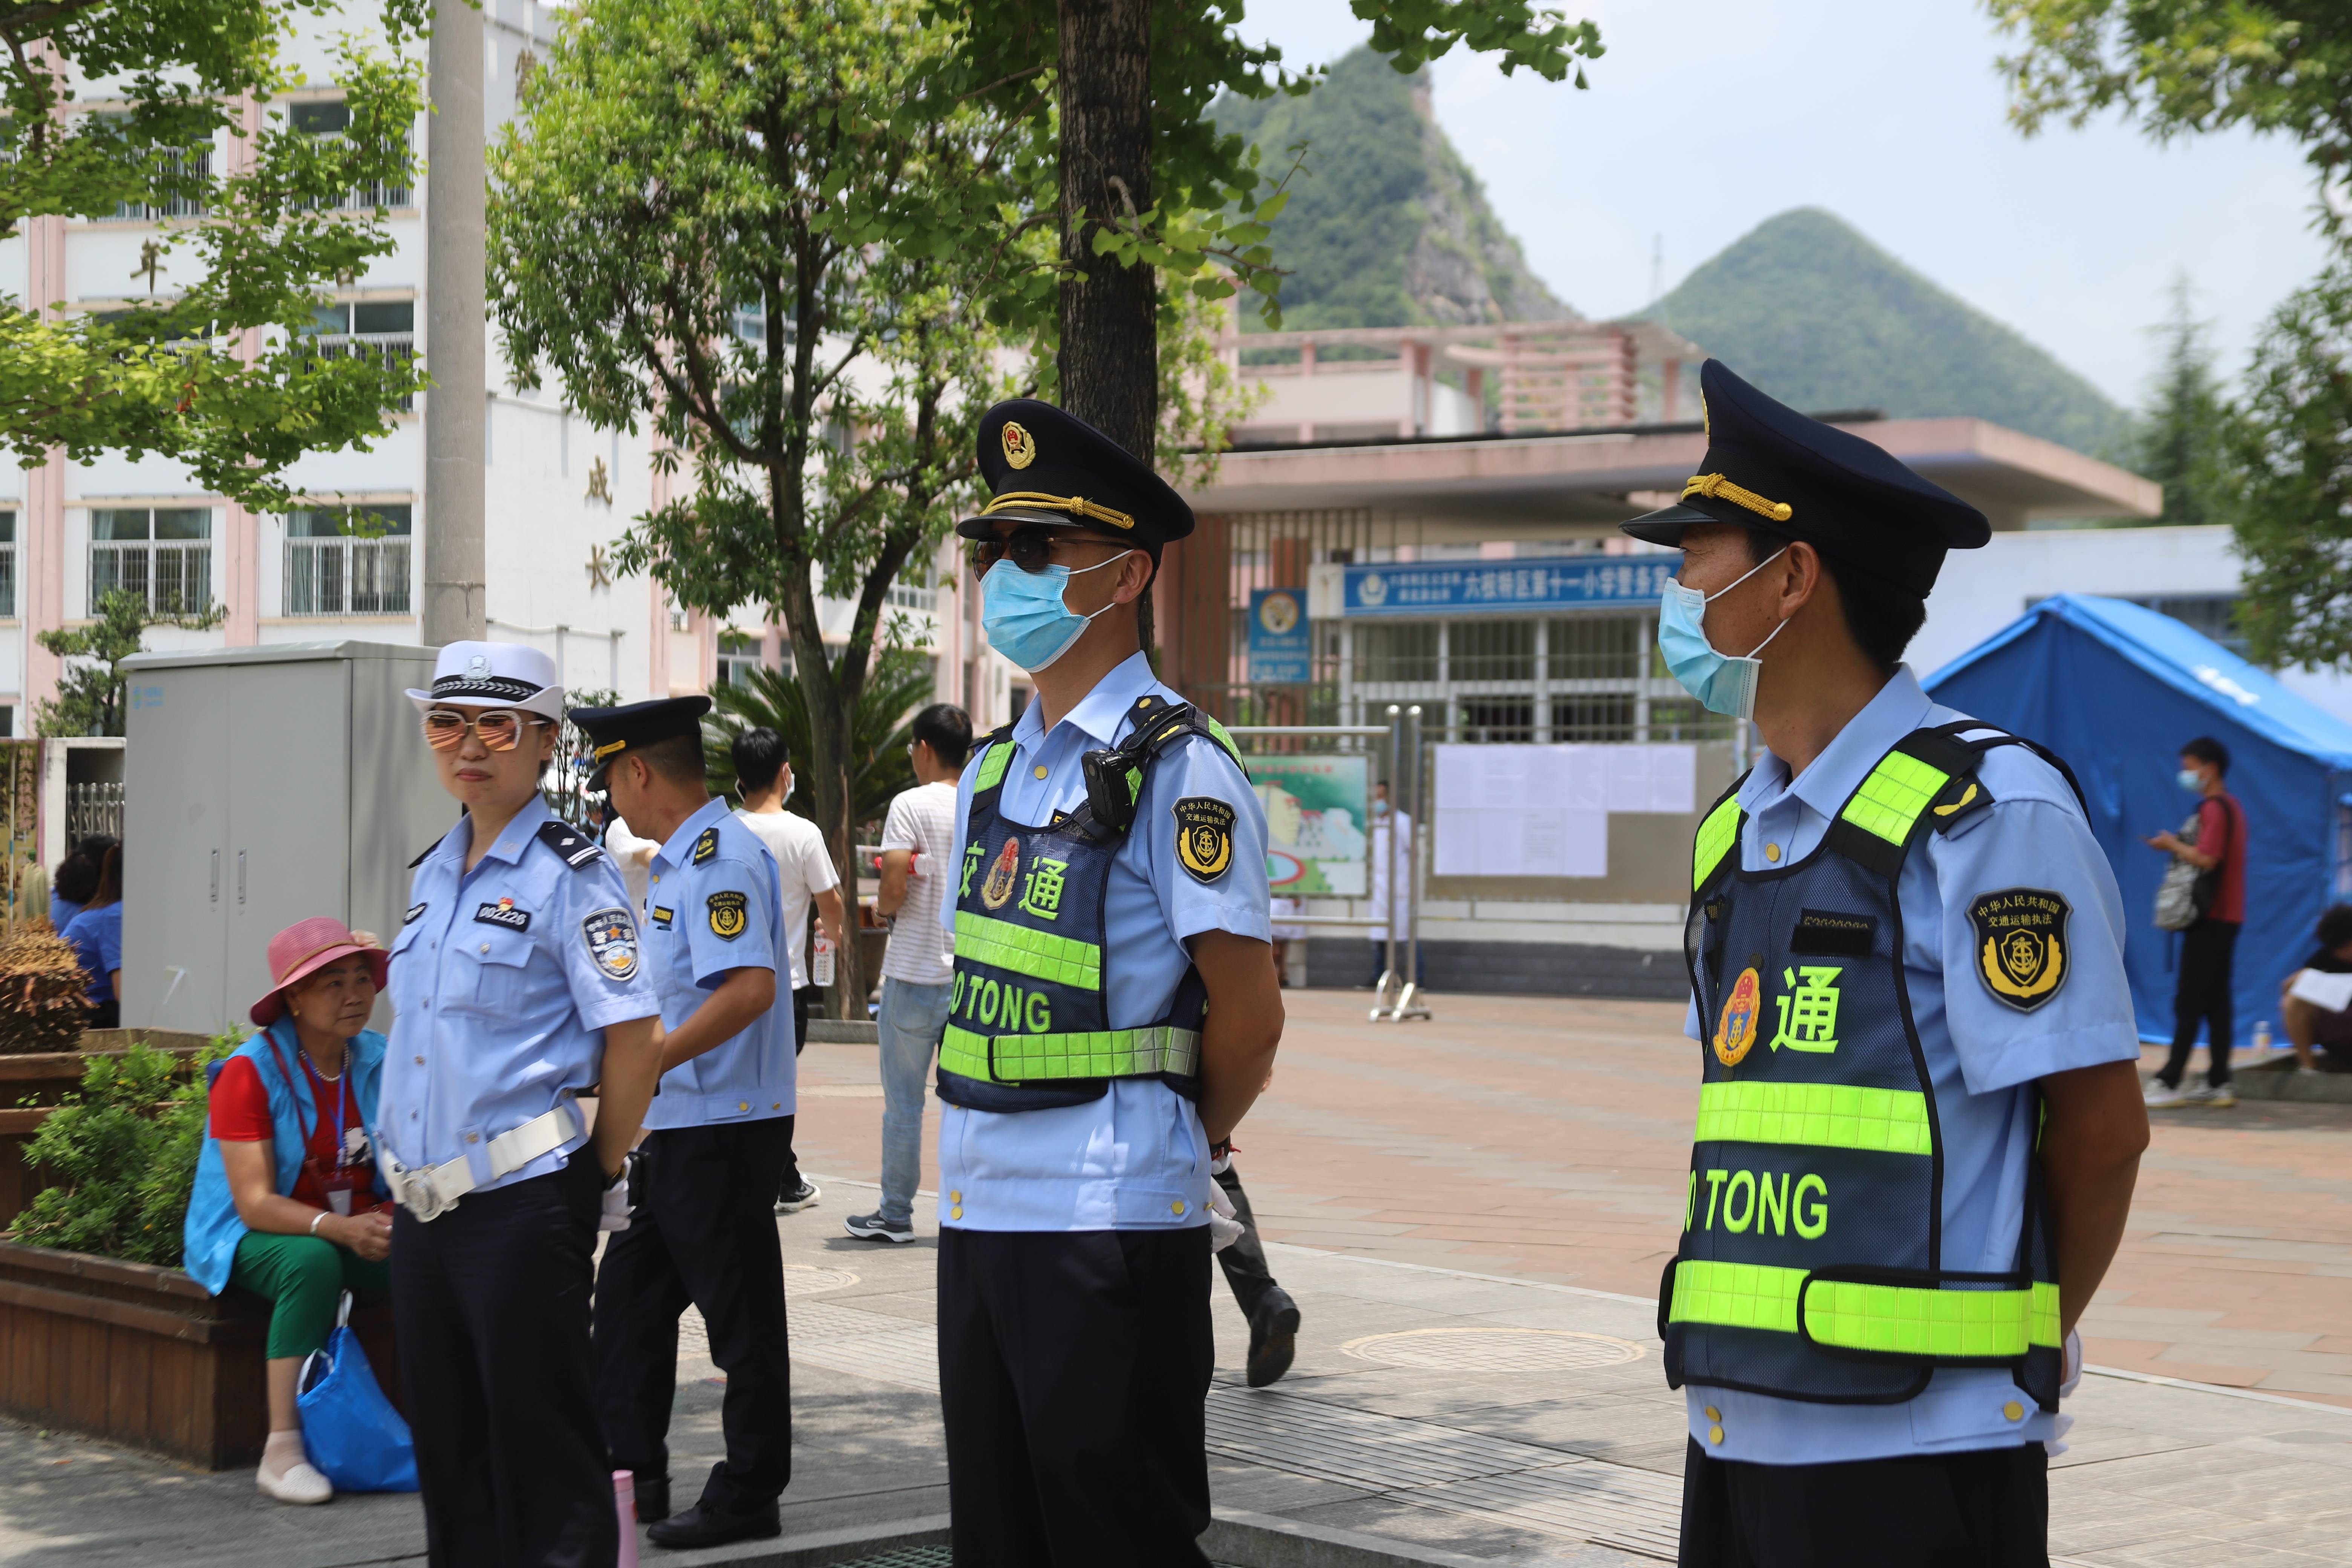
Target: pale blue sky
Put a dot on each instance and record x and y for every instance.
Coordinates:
(1709, 116)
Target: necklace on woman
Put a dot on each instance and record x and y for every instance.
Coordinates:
(312, 1063)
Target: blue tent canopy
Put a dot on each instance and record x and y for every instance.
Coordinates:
(2116, 689)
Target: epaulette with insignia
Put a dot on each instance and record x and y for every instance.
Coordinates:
(1961, 800)
(705, 846)
(578, 851)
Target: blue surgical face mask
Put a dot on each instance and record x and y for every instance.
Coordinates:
(2191, 781)
(1724, 683)
(1024, 614)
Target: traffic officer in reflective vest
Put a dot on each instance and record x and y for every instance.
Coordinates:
(516, 986)
(1919, 1119)
(715, 1140)
(1113, 1013)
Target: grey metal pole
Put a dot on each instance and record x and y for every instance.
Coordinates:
(1388, 915)
(456, 408)
(1407, 1006)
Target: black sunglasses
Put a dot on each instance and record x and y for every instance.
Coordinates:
(1031, 549)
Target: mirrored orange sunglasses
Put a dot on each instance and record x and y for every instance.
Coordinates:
(500, 728)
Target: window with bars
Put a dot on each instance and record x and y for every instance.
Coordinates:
(332, 118)
(187, 163)
(163, 554)
(347, 561)
(349, 329)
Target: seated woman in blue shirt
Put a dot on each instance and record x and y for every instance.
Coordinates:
(287, 1202)
(96, 934)
(77, 880)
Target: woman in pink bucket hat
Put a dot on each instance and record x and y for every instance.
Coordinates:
(287, 1203)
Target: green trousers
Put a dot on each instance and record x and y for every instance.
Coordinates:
(303, 1278)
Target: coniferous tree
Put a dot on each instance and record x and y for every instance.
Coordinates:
(2182, 434)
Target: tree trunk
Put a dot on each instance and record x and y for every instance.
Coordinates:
(1110, 358)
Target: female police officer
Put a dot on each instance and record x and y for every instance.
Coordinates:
(1114, 1012)
(516, 986)
(1919, 1121)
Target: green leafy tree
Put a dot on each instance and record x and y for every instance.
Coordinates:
(90, 694)
(2181, 438)
(122, 1151)
(2291, 448)
(2184, 68)
(767, 699)
(752, 226)
(171, 377)
(1148, 186)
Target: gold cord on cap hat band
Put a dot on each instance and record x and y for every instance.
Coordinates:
(1077, 505)
(1718, 487)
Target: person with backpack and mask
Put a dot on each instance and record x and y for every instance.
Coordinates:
(2215, 850)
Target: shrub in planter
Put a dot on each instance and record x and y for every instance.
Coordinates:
(123, 1149)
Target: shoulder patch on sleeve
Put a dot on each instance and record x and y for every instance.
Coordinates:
(1204, 837)
(612, 939)
(729, 914)
(578, 850)
(2020, 942)
(705, 846)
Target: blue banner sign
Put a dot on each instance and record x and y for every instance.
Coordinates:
(1278, 647)
(1474, 587)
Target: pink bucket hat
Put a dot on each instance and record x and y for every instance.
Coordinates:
(305, 947)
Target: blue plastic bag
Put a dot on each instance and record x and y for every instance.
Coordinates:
(349, 1430)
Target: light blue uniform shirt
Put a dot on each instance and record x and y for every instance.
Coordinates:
(503, 979)
(707, 912)
(1136, 1158)
(1983, 1055)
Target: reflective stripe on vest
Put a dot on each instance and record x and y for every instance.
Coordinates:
(992, 764)
(1105, 1053)
(1040, 955)
(1716, 835)
(1900, 1320)
(1891, 799)
(1817, 1115)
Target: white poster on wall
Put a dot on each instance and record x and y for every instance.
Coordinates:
(1543, 811)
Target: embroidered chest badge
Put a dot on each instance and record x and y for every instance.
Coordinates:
(729, 913)
(997, 891)
(1204, 837)
(2022, 944)
(1735, 1032)
(612, 940)
(504, 913)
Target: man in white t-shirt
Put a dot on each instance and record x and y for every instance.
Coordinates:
(763, 777)
(916, 839)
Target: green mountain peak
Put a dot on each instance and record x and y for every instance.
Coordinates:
(1815, 314)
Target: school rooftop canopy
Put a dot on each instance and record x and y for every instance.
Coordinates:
(1593, 476)
(2116, 689)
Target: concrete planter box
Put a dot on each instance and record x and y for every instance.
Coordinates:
(141, 1355)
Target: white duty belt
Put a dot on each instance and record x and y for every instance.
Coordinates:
(432, 1190)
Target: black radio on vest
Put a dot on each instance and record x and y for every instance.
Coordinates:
(1810, 1265)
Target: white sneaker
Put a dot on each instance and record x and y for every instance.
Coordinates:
(2218, 1096)
(2157, 1097)
(300, 1484)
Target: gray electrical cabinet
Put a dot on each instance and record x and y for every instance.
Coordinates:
(263, 785)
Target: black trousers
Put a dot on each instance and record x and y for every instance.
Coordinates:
(1246, 1274)
(1987, 1509)
(490, 1312)
(2207, 952)
(803, 998)
(704, 1231)
(1074, 1367)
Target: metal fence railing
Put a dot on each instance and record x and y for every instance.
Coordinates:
(93, 808)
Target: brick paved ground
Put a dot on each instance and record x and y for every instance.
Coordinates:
(1546, 1139)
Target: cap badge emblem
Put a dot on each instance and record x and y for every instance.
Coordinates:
(480, 665)
(1020, 447)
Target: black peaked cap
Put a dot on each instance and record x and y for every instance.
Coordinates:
(1769, 466)
(1046, 467)
(610, 731)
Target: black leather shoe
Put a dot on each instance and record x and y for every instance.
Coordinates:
(653, 1497)
(1273, 1337)
(702, 1526)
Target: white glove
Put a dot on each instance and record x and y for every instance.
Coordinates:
(2058, 1429)
(2071, 1378)
(1224, 1229)
(615, 1214)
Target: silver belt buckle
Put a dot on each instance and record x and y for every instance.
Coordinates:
(418, 1195)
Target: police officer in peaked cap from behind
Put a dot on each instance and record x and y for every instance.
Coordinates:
(716, 1138)
(517, 985)
(1906, 950)
(1114, 1013)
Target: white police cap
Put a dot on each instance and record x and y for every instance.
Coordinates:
(494, 675)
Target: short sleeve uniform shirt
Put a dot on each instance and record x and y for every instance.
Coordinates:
(1136, 1158)
(711, 908)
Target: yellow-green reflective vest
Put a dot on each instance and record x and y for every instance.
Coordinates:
(1811, 1264)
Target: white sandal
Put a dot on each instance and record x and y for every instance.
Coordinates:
(300, 1484)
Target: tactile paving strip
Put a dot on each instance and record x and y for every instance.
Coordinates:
(1442, 1468)
(1493, 1350)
